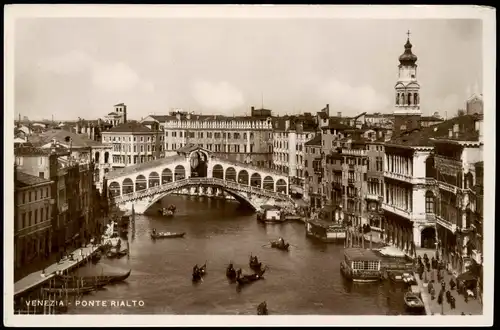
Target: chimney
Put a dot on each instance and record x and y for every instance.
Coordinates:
(287, 124)
(327, 110)
(450, 133)
(178, 116)
(339, 114)
(77, 128)
(252, 108)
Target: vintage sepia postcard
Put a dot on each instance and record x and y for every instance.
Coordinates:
(249, 165)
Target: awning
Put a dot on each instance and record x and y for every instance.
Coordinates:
(269, 207)
(467, 276)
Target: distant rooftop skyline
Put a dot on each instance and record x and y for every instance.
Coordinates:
(81, 67)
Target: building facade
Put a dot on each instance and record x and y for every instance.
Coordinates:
(314, 173)
(244, 139)
(72, 190)
(289, 137)
(118, 116)
(457, 202)
(132, 143)
(33, 220)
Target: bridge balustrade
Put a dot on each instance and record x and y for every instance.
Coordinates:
(194, 181)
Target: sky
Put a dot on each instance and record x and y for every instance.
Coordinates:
(81, 67)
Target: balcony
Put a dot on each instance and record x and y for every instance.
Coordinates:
(399, 177)
(373, 197)
(396, 210)
(409, 178)
(446, 224)
(448, 187)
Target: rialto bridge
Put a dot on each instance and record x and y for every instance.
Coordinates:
(197, 171)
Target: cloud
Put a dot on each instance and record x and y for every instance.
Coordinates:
(220, 97)
(118, 77)
(68, 64)
(108, 77)
(341, 95)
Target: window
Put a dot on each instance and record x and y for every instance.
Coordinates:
(23, 220)
(429, 202)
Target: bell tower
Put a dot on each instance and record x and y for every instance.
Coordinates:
(407, 89)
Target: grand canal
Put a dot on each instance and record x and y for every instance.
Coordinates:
(306, 280)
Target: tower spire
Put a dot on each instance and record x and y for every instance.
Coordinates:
(408, 33)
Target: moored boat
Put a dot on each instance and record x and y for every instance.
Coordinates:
(91, 279)
(70, 291)
(271, 214)
(326, 231)
(360, 265)
(116, 254)
(413, 302)
(168, 211)
(167, 235)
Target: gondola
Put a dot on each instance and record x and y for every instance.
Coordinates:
(246, 279)
(280, 246)
(413, 301)
(117, 254)
(96, 257)
(395, 277)
(262, 308)
(70, 291)
(78, 282)
(255, 264)
(231, 272)
(91, 279)
(200, 272)
(167, 235)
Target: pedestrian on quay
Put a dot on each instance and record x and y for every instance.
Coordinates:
(452, 284)
(452, 302)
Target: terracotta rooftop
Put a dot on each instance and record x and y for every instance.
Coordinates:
(26, 180)
(62, 136)
(316, 141)
(37, 151)
(130, 127)
(424, 136)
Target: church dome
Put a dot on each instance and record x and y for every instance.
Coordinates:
(408, 58)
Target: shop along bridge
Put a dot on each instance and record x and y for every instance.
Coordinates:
(196, 170)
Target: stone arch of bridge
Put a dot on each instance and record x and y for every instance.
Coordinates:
(246, 176)
(242, 198)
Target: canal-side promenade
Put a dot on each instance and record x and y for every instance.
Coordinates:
(472, 306)
(37, 278)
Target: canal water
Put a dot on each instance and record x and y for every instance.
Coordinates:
(306, 280)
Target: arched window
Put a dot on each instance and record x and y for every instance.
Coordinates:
(404, 99)
(410, 98)
(429, 202)
(416, 98)
(397, 98)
